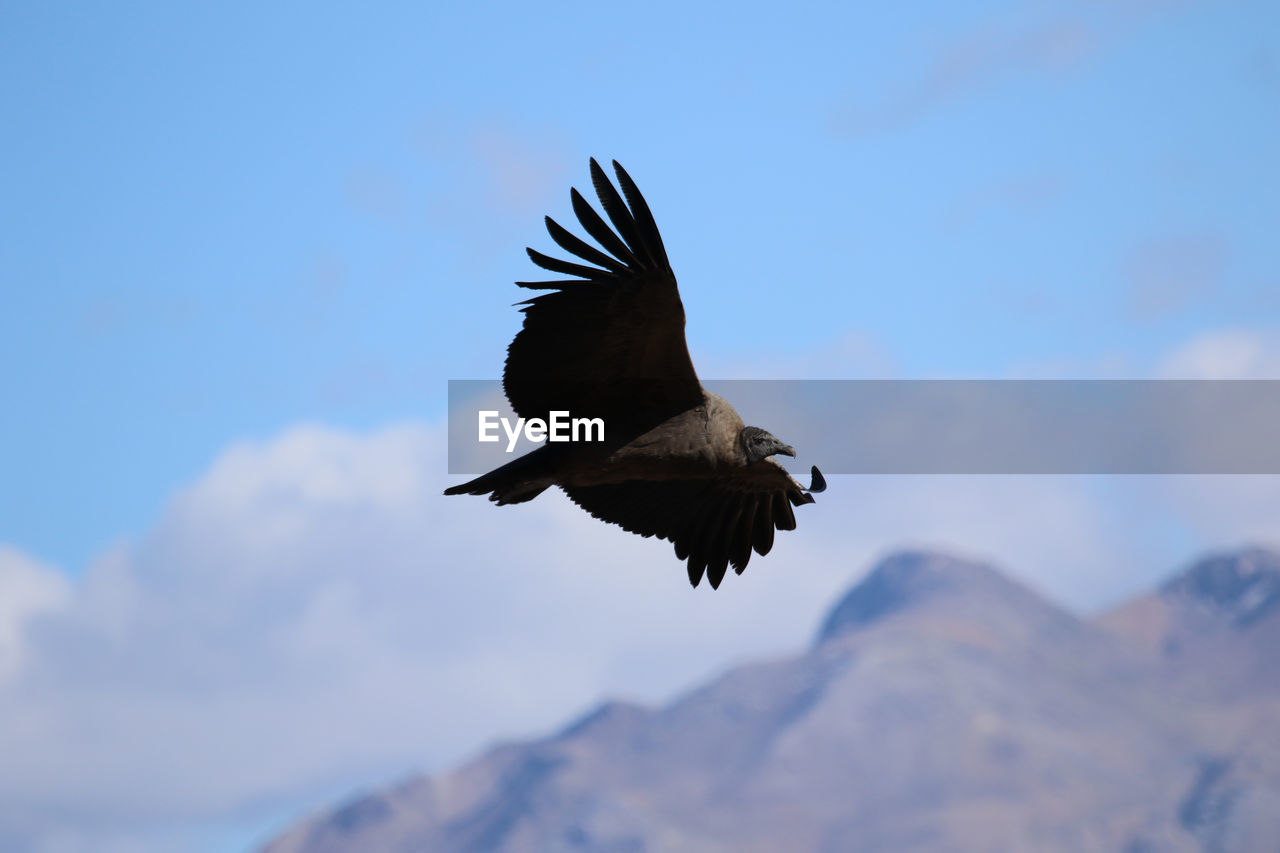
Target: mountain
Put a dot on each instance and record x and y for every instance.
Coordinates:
(941, 707)
(1216, 622)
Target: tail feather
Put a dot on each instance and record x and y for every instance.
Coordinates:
(520, 480)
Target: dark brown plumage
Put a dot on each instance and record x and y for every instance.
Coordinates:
(677, 461)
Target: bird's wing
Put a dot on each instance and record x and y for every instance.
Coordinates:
(607, 342)
(713, 523)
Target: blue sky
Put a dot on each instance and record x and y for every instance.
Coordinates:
(223, 222)
(222, 226)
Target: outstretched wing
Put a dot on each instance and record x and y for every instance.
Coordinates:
(713, 523)
(607, 342)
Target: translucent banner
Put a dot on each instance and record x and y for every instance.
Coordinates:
(951, 426)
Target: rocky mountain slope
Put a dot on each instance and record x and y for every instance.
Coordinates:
(941, 707)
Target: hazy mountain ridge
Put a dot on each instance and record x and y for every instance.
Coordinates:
(941, 707)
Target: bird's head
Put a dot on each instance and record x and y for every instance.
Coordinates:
(759, 444)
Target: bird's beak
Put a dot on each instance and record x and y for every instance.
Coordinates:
(786, 450)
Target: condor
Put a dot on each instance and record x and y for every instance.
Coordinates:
(608, 342)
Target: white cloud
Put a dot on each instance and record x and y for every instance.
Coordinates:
(1042, 40)
(27, 590)
(975, 61)
(1228, 508)
(312, 611)
(312, 615)
(1225, 354)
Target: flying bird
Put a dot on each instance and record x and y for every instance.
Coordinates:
(676, 462)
